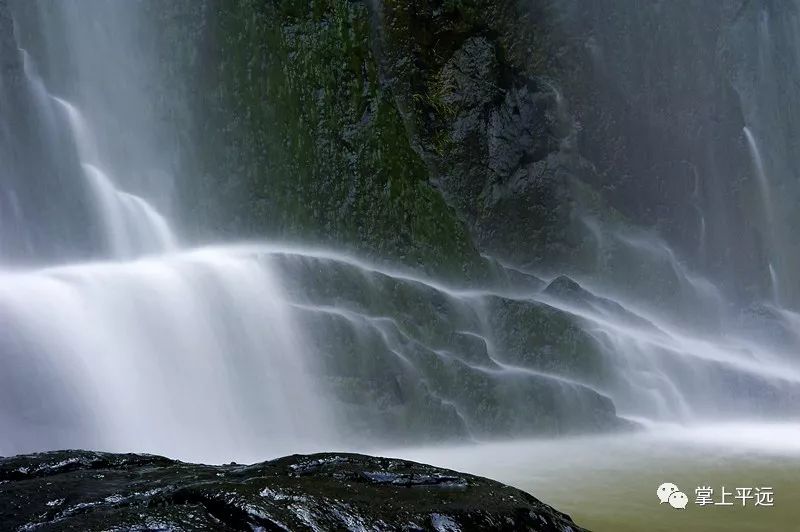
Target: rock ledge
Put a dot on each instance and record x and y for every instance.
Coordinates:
(82, 490)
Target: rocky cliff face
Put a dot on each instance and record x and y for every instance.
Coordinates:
(411, 361)
(302, 140)
(553, 128)
(407, 131)
(535, 132)
(604, 142)
(429, 133)
(474, 83)
(76, 490)
(651, 90)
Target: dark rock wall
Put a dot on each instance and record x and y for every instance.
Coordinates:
(410, 362)
(301, 139)
(534, 116)
(422, 132)
(650, 86)
(429, 132)
(764, 37)
(469, 78)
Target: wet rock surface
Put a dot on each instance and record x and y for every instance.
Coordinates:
(82, 490)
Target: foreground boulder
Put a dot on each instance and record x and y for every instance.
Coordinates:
(80, 490)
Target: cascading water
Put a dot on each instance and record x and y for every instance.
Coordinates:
(190, 354)
(133, 226)
(116, 337)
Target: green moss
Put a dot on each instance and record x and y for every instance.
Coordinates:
(314, 148)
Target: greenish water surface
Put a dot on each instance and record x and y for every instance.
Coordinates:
(608, 483)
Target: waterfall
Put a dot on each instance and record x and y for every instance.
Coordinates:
(148, 346)
(193, 355)
(121, 335)
(132, 225)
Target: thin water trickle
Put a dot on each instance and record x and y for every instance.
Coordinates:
(761, 175)
(773, 281)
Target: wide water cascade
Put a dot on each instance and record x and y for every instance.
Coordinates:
(130, 353)
(117, 334)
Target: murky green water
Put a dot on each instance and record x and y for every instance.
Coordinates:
(609, 483)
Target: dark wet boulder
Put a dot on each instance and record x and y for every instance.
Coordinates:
(81, 490)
